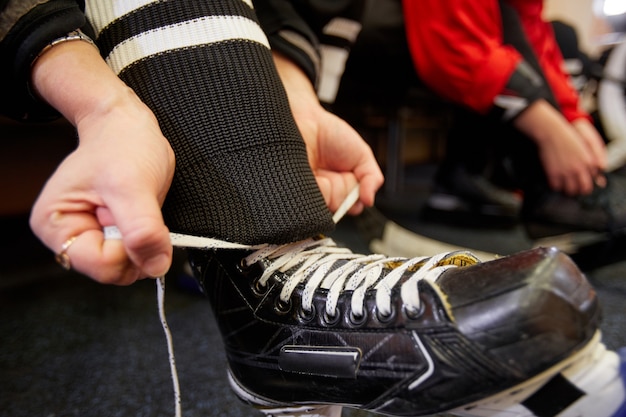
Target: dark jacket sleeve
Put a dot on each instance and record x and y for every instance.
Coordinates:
(296, 27)
(26, 27)
(289, 34)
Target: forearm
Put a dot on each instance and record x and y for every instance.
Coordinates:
(75, 80)
(541, 122)
(300, 90)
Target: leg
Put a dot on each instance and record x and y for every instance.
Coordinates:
(242, 170)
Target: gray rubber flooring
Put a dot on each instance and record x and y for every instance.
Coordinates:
(72, 347)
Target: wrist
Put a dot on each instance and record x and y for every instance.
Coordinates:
(121, 107)
(542, 123)
(73, 78)
(300, 91)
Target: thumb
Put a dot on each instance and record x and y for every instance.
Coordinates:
(144, 235)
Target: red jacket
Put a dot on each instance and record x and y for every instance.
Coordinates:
(457, 48)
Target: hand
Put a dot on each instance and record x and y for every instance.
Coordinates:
(338, 155)
(118, 175)
(597, 148)
(573, 162)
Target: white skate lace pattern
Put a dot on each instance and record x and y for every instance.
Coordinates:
(321, 264)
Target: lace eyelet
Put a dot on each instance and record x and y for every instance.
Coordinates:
(281, 306)
(358, 320)
(307, 316)
(386, 318)
(414, 314)
(331, 320)
(259, 289)
(243, 266)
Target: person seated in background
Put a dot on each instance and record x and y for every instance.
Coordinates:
(519, 119)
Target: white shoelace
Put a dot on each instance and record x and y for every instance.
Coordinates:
(315, 262)
(160, 282)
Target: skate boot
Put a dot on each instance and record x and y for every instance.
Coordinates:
(554, 219)
(310, 323)
(459, 197)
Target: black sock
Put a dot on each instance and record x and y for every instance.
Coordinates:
(242, 172)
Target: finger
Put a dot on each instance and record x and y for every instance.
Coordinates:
(335, 187)
(105, 261)
(370, 178)
(55, 226)
(555, 182)
(145, 237)
(89, 253)
(600, 156)
(580, 184)
(356, 209)
(370, 184)
(54, 222)
(586, 183)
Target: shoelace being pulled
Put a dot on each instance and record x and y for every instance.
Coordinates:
(320, 263)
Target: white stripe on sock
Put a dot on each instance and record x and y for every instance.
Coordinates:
(184, 35)
(102, 13)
